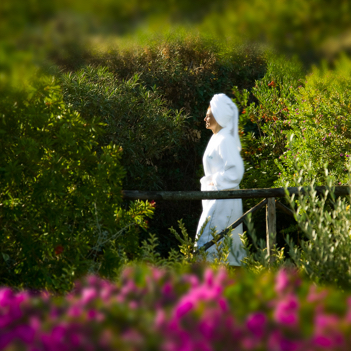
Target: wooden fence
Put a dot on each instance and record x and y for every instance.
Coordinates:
(268, 195)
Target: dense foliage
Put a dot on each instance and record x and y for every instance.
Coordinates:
(325, 253)
(60, 204)
(136, 118)
(199, 309)
(296, 120)
(320, 126)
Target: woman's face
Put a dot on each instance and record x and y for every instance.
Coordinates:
(211, 122)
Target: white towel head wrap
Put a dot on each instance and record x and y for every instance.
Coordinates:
(226, 114)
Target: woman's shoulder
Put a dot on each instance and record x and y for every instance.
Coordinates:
(225, 137)
(227, 143)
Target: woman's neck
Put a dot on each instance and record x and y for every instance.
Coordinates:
(216, 129)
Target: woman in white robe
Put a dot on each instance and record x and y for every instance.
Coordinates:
(224, 169)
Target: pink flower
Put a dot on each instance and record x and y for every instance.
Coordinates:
(192, 280)
(74, 311)
(207, 329)
(313, 295)
(286, 280)
(209, 277)
(93, 280)
(55, 338)
(323, 321)
(88, 294)
(327, 332)
(107, 292)
(11, 306)
(95, 315)
(328, 340)
(128, 287)
(323, 341)
(286, 311)
(167, 289)
(289, 345)
(256, 323)
(281, 281)
(276, 341)
(160, 318)
(184, 308)
(223, 304)
(21, 332)
(157, 274)
(6, 295)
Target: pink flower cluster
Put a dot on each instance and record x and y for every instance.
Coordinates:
(202, 309)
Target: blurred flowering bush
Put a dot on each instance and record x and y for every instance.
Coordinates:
(198, 309)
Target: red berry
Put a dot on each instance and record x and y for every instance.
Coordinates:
(58, 250)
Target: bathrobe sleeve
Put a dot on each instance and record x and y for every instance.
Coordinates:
(232, 166)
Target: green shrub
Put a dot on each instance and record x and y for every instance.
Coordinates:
(320, 121)
(60, 193)
(325, 220)
(296, 117)
(136, 118)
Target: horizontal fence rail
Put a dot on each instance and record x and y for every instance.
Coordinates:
(225, 194)
(269, 201)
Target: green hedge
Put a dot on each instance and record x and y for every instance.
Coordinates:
(60, 197)
(136, 118)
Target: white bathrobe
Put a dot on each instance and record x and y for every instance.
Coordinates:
(224, 167)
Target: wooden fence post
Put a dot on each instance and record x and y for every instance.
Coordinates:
(271, 225)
